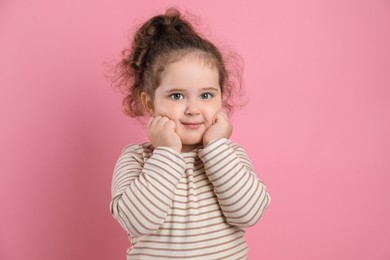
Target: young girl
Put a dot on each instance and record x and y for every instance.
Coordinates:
(190, 191)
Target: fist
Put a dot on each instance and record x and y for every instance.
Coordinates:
(220, 128)
(162, 132)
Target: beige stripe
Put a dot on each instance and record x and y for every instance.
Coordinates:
(247, 212)
(151, 202)
(214, 150)
(218, 185)
(145, 183)
(159, 173)
(157, 181)
(212, 197)
(146, 208)
(218, 159)
(194, 214)
(239, 199)
(192, 228)
(124, 212)
(165, 160)
(192, 248)
(257, 212)
(134, 211)
(201, 234)
(222, 197)
(193, 256)
(189, 222)
(235, 232)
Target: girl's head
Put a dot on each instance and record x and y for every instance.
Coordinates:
(158, 43)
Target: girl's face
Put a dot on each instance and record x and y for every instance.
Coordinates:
(190, 95)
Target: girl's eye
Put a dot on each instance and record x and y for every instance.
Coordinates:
(177, 96)
(206, 95)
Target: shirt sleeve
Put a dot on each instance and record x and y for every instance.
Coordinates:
(242, 197)
(142, 192)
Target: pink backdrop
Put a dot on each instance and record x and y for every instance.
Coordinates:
(316, 126)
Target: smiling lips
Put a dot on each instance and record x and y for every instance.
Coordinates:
(192, 125)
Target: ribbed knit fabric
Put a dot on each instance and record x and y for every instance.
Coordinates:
(192, 205)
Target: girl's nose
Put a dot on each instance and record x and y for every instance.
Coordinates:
(192, 108)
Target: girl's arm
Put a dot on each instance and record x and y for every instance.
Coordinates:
(142, 193)
(242, 196)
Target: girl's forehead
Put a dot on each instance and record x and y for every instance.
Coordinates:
(196, 56)
(189, 70)
(190, 78)
(191, 64)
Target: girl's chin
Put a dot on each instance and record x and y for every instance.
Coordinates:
(191, 142)
(191, 137)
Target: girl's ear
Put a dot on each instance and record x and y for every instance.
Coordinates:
(147, 103)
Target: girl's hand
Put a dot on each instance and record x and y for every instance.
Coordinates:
(162, 132)
(221, 128)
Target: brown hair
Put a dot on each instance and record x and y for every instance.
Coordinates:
(159, 41)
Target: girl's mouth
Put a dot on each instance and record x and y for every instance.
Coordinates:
(192, 125)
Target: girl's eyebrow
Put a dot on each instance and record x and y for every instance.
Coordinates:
(213, 89)
(174, 90)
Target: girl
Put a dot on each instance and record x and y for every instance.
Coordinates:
(190, 191)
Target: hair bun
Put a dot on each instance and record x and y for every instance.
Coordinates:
(157, 29)
(170, 24)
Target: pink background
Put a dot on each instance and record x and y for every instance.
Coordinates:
(316, 126)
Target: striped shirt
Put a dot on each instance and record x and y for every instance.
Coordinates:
(192, 205)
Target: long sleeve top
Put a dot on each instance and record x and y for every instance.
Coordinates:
(192, 205)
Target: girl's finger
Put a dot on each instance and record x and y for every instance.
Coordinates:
(170, 124)
(217, 118)
(150, 121)
(162, 120)
(154, 121)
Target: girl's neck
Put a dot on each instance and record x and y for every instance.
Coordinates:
(189, 147)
